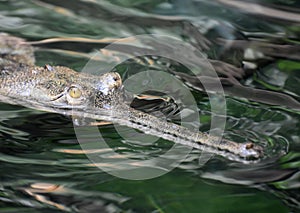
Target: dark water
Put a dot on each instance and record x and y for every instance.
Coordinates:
(44, 168)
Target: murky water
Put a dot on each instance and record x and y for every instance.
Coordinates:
(45, 169)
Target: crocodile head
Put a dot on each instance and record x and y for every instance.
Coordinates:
(58, 87)
(69, 89)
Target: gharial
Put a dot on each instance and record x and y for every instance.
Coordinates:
(62, 90)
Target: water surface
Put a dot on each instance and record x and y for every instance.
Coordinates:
(43, 167)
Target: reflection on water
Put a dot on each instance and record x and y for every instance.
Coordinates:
(44, 169)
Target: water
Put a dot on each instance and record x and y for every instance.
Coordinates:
(44, 168)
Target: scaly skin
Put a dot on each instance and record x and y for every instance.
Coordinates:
(62, 90)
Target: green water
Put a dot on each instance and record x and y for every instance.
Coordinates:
(43, 167)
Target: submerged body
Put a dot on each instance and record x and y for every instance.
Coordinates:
(62, 90)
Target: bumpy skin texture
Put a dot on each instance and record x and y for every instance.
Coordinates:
(51, 85)
(62, 90)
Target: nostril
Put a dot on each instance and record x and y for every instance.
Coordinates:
(117, 77)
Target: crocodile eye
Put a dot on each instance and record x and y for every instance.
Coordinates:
(75, 92)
